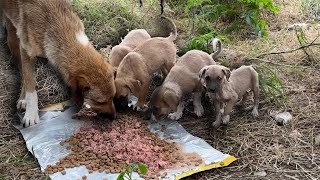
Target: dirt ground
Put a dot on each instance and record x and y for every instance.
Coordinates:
(264, 149)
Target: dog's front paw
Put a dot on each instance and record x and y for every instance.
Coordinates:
(175, 115)
(21, 105)
(255, 112)
(226, 119)
(198, 111)
(30, 118)
(216, 124)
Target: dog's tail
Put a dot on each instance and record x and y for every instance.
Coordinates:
(217, 46)
(173, 34)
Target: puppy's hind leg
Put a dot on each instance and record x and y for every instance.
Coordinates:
(255, 101)
(31, 116)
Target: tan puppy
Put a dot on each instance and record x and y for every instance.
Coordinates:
(226, 89)
(130, 41)
(134, 72)
(182, 80)
(50, 29)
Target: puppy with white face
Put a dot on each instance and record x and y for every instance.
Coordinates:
(226, 87)
(133, 39)
(183, 79)
(134, 72)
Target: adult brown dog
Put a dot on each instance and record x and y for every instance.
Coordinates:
(50, 29)
(226, 87)
(129, 42)
(134, 72)
(182, 80)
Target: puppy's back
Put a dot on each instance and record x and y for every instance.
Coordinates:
(195, 60)
(135, 37)
(185, 72)
(243, 78)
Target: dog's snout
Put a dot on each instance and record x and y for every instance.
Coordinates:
(212, 90)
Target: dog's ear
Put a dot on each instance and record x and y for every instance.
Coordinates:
(226, 72)
(171, 99)
(203, 71)
(134, 86)
(79, 89)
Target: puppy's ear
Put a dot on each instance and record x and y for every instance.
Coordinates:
(134, 86)
(171, 99)
(226, 72)
(203, 71)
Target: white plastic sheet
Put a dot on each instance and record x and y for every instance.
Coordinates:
(43, 140)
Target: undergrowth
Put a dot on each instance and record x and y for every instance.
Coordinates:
(106, 21)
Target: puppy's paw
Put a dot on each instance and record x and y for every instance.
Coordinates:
(216, 124)
(198, 110)
(226, 119)
(21, 105)
(143, 108)
(255, 112)
(30, 118)
(175, 115)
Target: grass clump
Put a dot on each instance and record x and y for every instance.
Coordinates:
(311, 8)
(106, 21)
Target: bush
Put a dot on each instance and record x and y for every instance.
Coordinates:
(235, 12)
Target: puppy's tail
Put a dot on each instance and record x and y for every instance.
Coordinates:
(173, 34)
(217, 46)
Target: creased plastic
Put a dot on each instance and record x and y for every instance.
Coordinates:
(43, 140)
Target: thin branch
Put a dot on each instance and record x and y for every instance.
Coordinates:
(289, 51)
(285, 65)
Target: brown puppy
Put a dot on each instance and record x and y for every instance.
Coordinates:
(135, 70)
(182, 80)
(130, 41)
(50, 29)
(226, 89)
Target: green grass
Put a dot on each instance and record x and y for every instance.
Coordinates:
(311, 8)
(107, 21)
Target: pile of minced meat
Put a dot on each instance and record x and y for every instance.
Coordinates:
(110, 147)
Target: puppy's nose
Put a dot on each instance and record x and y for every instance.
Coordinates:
(212, 90)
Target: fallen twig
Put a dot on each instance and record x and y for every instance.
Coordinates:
(289, 51)
(286, 65)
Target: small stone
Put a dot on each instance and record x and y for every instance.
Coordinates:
(63, 172)
(84, 177)
(260, 173)
(317, 140)
(283, 118)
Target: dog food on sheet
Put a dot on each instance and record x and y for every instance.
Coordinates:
(111, 147)
(84, 112)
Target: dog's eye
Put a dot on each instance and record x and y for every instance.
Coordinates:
(99, 103)
(219, 78)
(207, 78)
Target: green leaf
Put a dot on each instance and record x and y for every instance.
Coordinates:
(121, 176)
(142, 168)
